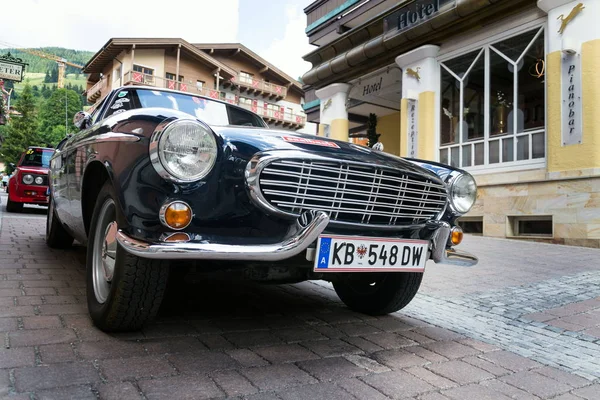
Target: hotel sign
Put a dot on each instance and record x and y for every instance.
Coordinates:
(572, 130)
(11, 68)
(414, 14)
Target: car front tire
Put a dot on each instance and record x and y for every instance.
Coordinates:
(377, 293)
(56, 235)
(12, 206)
(124, 292)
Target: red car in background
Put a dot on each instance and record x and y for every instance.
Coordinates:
(29, 184)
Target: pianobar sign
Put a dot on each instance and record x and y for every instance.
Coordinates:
(415, 14)
(11, 68)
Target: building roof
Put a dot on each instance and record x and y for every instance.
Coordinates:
(114, 46)
(211, 47)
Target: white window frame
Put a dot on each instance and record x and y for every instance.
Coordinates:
(485, 45)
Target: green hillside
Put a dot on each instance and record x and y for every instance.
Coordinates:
(42, 65)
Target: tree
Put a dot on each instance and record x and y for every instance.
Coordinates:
(47, 78)
(372, 134)
(22, 129)
(52, 115)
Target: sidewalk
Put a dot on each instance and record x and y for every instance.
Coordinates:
(523, 324)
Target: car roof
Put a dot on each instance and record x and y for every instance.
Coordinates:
(39, 147)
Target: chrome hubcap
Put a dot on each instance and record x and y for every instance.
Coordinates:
(105, 252)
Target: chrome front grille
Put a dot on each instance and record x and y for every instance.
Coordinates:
(351, 193)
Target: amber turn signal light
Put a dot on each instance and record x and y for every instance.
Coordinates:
(456, 236)
(177, 237)
(176, 215)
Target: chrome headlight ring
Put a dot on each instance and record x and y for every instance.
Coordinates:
(205, 146)
(28, 179)
(462, 192)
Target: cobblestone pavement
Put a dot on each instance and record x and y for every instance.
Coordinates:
(523, 325)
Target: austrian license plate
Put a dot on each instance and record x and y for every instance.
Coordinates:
(361, 254)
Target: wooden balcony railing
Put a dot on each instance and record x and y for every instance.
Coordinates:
(259, 86)
(96, 91)
(287, 118)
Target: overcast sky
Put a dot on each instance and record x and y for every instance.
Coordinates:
(272, 28)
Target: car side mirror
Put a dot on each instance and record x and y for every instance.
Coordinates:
(81, 119)
(12, 165)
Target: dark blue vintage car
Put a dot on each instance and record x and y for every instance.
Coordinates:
(157, 175)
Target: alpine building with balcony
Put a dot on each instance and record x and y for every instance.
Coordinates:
(227, 71)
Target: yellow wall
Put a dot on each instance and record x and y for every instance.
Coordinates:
(587, 154)
(389, 128)
(427, 145)
(151, 58)
(403, 127)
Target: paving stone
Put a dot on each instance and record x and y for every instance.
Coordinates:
(398, 359)
(41, 337)
(367, 363)
(362, 344)
(567, 396)
(298, 335)
(118, 391)
(22, 357)
(275, 377)
(135, 368)
(588, 392)
(416, 337)
(68, 393)
(481, 346)
(253, 338)
(535, 383)
(398, 384)
(202, 362)
(180, 387)
(247, 358)
(285, 353)
(330, 331)
(60, 309)
(460, 372)
(431, 378)
(388, 340)
(563, 377)
(16, 311)
(233, 383)
(426, 354)
(215, 341)
(474, 392)
(56, 353)
(451, 350)
(173, 345)
(331, 369)
(319, 391)
(361, 390)
(488, 366)
(436, 333)
(434, 396)
(357, 329)
(331, 348)
(41, 322)
(55, 375)
(510, 361)
(168, 330)
(8, 324)
(109, 349)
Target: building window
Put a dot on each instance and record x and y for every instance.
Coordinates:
(199, 85)
(143, 70)
(171, 77)
(493, 103)
(246, 77)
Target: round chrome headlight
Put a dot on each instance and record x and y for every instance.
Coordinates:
(39, 180)
(185, 151)
(463, 193)
(28, 179)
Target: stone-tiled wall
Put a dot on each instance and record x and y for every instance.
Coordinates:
(573, 202)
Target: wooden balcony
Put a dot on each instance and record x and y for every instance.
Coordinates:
(95, 92)
(286, 119)
(258, 87)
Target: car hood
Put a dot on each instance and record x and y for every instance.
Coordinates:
(249, 141)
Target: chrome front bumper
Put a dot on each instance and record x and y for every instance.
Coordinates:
(307, 230)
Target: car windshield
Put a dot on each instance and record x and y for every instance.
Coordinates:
(209, 111)
(37, 158)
